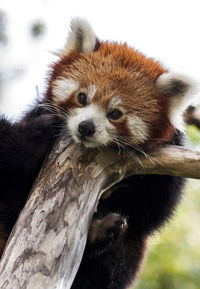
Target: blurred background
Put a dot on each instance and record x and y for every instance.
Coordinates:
(31, 31)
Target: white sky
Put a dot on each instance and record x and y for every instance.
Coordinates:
(166, 30)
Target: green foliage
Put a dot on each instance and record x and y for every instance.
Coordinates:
(174, 258)
(193, 134)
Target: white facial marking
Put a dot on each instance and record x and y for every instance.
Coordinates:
(181, 90)
(115, 102)
(104, 130)
(138, 129)
(91, 91)
(64, 88)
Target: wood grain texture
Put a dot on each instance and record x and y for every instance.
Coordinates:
(46, 245)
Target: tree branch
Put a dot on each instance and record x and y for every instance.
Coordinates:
(170, 160)
(46, 245)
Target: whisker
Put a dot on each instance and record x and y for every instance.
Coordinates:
(57, 105)
(116, 141)
(51, 105)
(127, 141)
(131, 153)
(48, 107)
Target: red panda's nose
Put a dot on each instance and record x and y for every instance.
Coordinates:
(86, 128)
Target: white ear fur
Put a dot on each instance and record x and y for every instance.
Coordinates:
(181, 90)
(81, 37)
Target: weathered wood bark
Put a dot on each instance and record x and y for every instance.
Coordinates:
(46, 245)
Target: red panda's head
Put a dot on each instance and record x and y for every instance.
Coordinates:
(114, 94)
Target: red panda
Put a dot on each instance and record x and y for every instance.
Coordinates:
(113, 77)
(102, 94)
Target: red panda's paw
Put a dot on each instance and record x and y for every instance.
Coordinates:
(107, 230)
(46, 120)
(41, 121)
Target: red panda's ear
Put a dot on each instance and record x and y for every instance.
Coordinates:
(181, 90)
(81, 37)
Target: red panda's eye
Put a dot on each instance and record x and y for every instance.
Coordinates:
(82, 98)
(115, 114)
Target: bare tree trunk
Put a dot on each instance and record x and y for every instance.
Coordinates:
(46, 245)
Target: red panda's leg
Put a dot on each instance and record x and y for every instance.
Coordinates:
(114, 266)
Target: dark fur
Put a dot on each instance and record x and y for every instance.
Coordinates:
(117, 237)
(23, 147)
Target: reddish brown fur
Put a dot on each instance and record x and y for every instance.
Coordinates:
(119, 70)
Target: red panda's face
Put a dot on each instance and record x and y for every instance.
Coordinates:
(107, 102)
(114, 94)
(96, 121)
